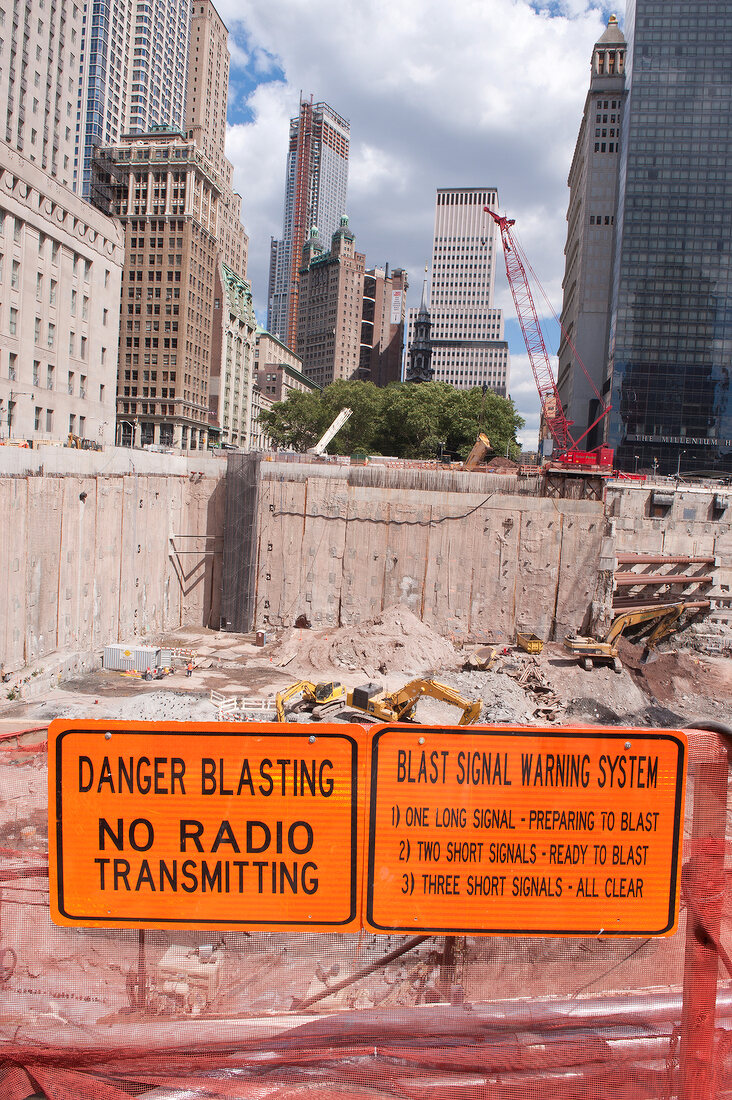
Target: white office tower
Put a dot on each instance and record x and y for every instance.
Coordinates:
(466, 338)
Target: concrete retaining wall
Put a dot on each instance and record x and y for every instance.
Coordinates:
(91, 556)
(472, 562)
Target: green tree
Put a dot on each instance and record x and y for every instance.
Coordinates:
(402, 419)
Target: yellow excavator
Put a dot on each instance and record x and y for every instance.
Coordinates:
(590, 651)
(325, 699)
(399, 706)
(312, 696)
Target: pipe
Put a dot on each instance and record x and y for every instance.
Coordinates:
(362, 973)
(631, 580)
(661, 559)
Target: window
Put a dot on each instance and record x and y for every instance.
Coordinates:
(12, 367)
(49, 420)
(36, 372)
(101, 394)
(70, 386)
(15, 275)
(83, 347)
(49, 377)
(39, 287)
(72, 343)
(72, 423)
(37, 419)
(51, 335)
(73, 303)
(82, 386)
(82, 426)
(84, 308)
(52, 295)
(13, 321)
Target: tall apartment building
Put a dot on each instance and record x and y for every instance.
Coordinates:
(382, 325)
(60, 260)
(330, 308)
(468, 348)
(315, 196)
(670, 345)
(132, 74)
(177, 210)
(593, 190)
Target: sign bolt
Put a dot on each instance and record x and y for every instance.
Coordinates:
(421, 740)
(108, 736)
(311, 739)
(627, 744)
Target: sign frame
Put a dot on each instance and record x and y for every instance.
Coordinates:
(60, 902)
(572, 734)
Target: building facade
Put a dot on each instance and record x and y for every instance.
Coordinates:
(382, 325)
(593, 190)
(232, 360)
(278, 370)
(161, 189)
(670, 346)
(330, 307)
(172, 192)
(468, 348)
(315, 195)
(60, 260)
(132, 74)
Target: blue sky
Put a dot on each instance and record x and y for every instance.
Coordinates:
(474, 93)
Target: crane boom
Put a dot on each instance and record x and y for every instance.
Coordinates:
(334, 428)
(551, 405)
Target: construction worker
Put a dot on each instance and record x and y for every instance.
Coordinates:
(189, 668)
(148, 674)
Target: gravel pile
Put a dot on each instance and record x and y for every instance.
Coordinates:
(157, 706)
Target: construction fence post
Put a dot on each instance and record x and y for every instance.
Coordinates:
(702, 883)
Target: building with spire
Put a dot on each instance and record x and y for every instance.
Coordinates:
(466, 336)
(587, 285)
(670, 343)
(419, 359)
(315, 195)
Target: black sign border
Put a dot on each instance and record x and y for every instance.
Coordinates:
(598, 735)
(246, 729)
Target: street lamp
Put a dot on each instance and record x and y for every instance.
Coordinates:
(678, 464)
(655, 466)
(636, 457)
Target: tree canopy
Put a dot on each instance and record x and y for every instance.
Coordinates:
(403, 419)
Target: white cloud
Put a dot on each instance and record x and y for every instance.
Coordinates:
(471, 93)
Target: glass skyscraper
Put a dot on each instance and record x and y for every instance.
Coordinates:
(670, 348)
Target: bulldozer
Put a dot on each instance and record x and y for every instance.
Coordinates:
(590, 651)
(399, 706)
(314, 697)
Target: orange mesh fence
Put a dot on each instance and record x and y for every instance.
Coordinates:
(98, 1014)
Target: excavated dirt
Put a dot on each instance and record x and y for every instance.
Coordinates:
(396, 641)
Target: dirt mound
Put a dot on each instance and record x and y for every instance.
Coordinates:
(669, 677)
(396, 641)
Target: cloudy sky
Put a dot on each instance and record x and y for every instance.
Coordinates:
(466, 93)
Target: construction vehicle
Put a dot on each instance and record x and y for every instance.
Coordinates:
(663, 618)
(328, 434)
(566, 454)
(313, 696)
(399, 706)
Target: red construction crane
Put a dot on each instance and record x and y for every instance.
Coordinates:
(566, 448)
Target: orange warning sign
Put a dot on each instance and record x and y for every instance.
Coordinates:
(203, 826)
(482, 832)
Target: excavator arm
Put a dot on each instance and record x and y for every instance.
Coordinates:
(403, 702)
(668, 616)
(284, 697)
